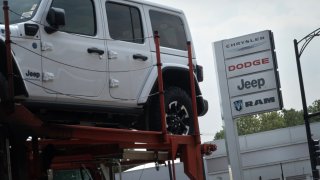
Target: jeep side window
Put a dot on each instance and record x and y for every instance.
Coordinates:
(170, 29)
(124, 22)
(79, 16)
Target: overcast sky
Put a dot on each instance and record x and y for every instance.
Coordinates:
(213, 20)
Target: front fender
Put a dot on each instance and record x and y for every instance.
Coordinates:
(180, 78)
(19, 84)
(153, 76)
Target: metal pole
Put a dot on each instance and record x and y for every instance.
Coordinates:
(173, 170)
(315, 172)
(198, 155)
(170, 170)
(8, 50)
(193, 96)
(160, 86)
(8, 159)
(120, 169)
(230, 124)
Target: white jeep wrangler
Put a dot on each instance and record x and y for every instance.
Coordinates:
(94, 62)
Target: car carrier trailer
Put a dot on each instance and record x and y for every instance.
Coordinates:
(31, 148)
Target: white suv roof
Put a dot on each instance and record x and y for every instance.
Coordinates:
(156, 5)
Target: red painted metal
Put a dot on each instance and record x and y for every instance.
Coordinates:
(22, 117)
(207, 149)
(77, 140)
(193, 95)
(8, 50)
(199, 165)
(160, 87)
(72, 161)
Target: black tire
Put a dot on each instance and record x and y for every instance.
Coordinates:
(178, 109)
(3, 89)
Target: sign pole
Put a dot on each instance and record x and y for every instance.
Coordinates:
(233, 148)
(231, 132)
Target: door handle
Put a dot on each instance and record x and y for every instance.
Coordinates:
(95, 50)
(140, 56)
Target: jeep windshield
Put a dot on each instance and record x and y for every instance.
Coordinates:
(20, 10)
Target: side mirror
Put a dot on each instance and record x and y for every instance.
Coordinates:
(55, 18)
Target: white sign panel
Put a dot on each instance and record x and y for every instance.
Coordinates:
(249, 64)
(248, 67)
(247, 44)
(255, 103)
(262, 81)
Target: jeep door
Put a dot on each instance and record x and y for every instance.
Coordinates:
(128, 46)
(73, 57)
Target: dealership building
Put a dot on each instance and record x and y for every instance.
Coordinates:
(271, 155)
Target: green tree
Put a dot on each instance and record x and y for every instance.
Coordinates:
(292, 117)
(271, 120)
(314, 108)
(219, 135)
(248, 125)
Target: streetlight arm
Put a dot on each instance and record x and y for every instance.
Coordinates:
(307, 39)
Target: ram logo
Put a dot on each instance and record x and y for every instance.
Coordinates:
(260, 102)
(238, 105)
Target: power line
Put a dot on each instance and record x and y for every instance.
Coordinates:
(131, 39)
(77, 67)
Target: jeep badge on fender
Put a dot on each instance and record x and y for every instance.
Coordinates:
(33, 74)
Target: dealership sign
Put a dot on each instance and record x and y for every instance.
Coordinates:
(252, 103)
(252, 83)
(247, 68)
(249, 64)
